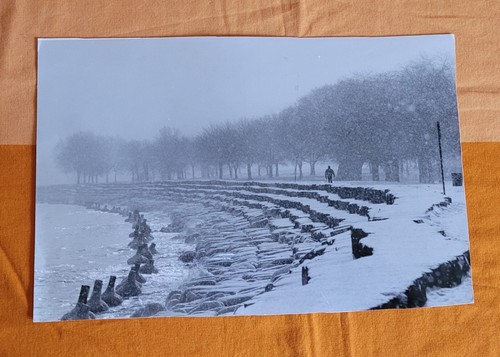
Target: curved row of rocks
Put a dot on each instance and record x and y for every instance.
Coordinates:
(273, 247)
(451, 272)
(142, 263)
(270, 231)
(307, 222)
(372, 195)
(284, 232)
(237, 271)
(66, 193)
(164, 190)
(353, 208)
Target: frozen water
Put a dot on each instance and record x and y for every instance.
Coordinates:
(75, 246)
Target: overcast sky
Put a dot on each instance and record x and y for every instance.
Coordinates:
(133, 87)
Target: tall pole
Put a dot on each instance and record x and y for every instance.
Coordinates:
(441, 157)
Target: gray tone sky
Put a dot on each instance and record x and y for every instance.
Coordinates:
(133, 87)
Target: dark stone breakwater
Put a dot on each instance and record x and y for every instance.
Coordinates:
(130, 286)
(82, 310)
(110, 296)
(446, 275)
(245, 238)
(344, 192)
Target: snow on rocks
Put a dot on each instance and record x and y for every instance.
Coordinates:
(361, 245)
(150, 309)
(460, 294)
(148, 268)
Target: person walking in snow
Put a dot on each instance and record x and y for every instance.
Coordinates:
(329, 174)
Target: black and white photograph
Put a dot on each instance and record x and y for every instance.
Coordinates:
(223, 176)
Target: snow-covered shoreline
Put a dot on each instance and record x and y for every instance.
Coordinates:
(248, 247)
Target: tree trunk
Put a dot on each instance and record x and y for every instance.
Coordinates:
(220, 171)
(249, 171)
(270, 170)
(277, 172)
(258, 169)
(395, 170)
(313, 167)
(300, 170)
(350, 169)
(424, 170)
(374, 168)
(192, 170)
(145, 168)
(388, 171)
(236, 172)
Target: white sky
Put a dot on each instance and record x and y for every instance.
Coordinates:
(133, 87)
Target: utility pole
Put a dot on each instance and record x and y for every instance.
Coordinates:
(441, 156)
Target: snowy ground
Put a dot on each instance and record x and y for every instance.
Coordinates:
(461, 294)
(249, 246)
(403, 250)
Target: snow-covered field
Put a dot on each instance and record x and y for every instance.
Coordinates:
(250, 242)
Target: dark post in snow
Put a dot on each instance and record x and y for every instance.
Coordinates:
(441, 157)
(305, 276)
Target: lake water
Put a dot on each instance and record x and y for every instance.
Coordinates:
(75, 246)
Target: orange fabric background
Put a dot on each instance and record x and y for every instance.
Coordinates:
(469, 330)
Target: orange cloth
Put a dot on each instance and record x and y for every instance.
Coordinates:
(470, 330)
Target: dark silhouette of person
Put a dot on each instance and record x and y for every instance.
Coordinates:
(329, 174)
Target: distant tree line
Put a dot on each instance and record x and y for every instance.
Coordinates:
(387, 121)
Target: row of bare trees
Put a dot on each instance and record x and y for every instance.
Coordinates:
(387, 121)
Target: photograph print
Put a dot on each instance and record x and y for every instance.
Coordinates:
(223, 176)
